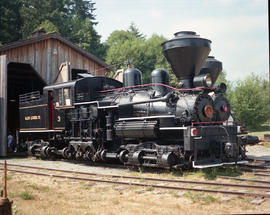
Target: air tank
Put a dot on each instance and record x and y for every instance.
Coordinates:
(160, 76)
(212, 67)
(132, 77)
(186, 53)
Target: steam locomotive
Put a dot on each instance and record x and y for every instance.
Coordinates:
(151, 125)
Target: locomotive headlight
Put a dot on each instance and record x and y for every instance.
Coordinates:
(225, 108)
(194, 132)
(202, 81)
(208, 81)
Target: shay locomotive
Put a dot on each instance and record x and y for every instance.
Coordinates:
(153, 125)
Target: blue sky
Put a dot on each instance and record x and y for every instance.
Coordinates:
(238, 29)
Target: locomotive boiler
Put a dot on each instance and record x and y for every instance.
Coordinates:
(152, 125)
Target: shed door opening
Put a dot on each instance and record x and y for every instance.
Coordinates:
(21, 78)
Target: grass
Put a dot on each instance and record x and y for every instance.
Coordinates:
(26, 195)
(266, 144)
(149, 188)
(200, 198)
(213, 173)
(14, 209)
(67, 199)
(39, 187)
(115, 201)
(209, 199)
(87, 213)
(132, 187)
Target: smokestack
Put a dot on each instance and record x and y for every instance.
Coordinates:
(186, 53)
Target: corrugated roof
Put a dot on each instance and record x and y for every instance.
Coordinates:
(57, 37)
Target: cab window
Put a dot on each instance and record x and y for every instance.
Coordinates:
(62, 97)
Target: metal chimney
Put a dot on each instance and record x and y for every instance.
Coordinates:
(186, 53)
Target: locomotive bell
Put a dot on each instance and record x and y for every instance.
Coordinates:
(212, 67)
(186, 54)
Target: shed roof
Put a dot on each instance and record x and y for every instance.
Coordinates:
(57, 37)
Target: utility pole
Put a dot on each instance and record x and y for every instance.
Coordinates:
(5, 204)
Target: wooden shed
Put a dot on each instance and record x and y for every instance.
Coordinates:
(29, 65)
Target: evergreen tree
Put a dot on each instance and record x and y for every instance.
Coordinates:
(85, 36)
(10, 21)
(48, 26)
(135, 31)
(72, 19)
(35, 12)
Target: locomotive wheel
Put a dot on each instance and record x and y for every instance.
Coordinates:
(66, 152)
(123, 156)
(168, 160)
(89, 155)
(32, 150)
(137, 158)
(103, 155)
(44, 152)
(70, 153)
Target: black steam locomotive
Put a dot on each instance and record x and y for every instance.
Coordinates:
(152, 125)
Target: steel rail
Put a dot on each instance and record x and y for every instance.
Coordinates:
(260, 174)
(255, 170)
(256, 167)
(244, 179)
(146, 185)
(149, 179)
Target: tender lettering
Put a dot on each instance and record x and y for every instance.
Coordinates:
(31, 118)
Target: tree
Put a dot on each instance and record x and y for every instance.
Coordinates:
(121, 45)
(72, 19)
(49, 26)
(10, 21)
(250, 101)
(144, 54)
(133, 30)
(85, 36)
(222, 78)
(156, 58)
(82, 9)
(35, 12)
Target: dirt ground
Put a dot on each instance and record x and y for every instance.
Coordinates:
(38, 195)
(259, 151)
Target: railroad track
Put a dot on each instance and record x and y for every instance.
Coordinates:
(174, 183)
(257, 168)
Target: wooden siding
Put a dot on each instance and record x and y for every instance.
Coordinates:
(46, 56)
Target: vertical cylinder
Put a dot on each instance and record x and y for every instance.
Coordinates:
(160, 76)
(132, 77)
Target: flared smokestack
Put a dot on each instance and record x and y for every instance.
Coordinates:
(212, 67)
(186, 53)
